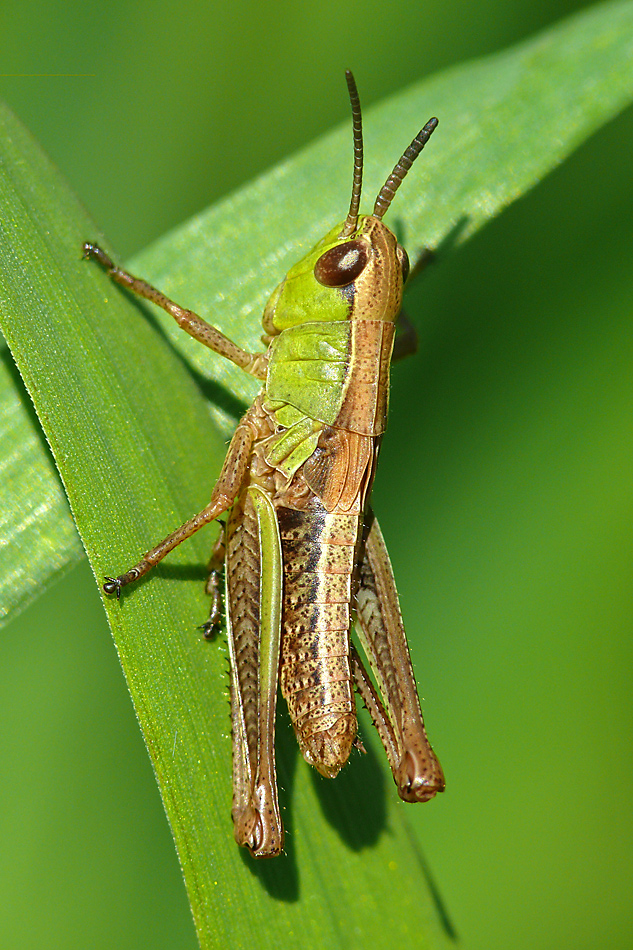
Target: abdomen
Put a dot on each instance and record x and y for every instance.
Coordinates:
(319, 556)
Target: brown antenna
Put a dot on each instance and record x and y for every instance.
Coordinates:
(352, 217)
(397, 176)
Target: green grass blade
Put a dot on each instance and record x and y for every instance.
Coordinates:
(39, 538)
(137, 443)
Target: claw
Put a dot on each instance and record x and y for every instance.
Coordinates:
(209, 629)
(94, 252)
(113, 585)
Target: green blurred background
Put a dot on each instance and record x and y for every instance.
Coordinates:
(510, 439)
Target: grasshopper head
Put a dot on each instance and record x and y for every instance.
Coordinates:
(358, 269)
(361, 274)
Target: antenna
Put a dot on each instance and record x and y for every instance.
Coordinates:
(397, 176)
(352, 217)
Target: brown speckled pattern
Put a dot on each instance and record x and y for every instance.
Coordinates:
(319, 552)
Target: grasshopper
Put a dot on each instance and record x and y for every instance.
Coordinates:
(304, 558)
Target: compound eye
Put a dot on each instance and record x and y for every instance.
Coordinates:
(403, 258)
(341, 265)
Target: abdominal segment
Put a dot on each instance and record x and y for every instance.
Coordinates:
(319, 552)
